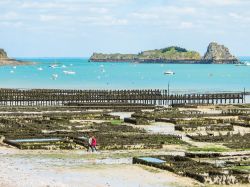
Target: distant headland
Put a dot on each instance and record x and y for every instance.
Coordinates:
(215, 54)
(5, 60)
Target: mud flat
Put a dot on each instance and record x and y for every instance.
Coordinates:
(218, 150)
(195, 145)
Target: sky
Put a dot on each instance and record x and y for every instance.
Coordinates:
(77, 28)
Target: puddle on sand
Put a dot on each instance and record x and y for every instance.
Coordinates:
(151, 159)
(35, 140)
(122, 115)
(161, 128)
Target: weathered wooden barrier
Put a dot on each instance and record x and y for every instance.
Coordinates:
(57, 97)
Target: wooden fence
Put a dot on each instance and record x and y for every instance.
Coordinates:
(59, 97)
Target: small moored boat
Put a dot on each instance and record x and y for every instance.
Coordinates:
(69, 72)
(53, 65)
(169, 72)
(54, 76)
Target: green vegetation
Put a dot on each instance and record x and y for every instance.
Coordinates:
(208, 149)
(116, 56)
(116, 122)
(168, 53)
(242, 168)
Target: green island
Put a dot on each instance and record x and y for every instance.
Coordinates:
(216, 54)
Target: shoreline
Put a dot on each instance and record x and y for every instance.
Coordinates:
(161, 61)
(14, 62)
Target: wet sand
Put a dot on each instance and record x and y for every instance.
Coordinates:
(78, 168)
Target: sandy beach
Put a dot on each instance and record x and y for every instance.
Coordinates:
(79, 168)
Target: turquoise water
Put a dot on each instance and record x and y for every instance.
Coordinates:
(35, 140)
(89, 75)
(151, 159)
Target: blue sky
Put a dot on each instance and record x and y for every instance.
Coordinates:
(68, 28)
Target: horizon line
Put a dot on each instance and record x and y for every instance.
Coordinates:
(48, 57)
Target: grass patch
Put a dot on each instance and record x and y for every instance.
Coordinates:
(242, 168)
(247, 168)
(116, 122)
(150, 169)
(208, 149)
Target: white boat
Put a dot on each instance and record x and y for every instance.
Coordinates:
(243, 64)
(63, 66)
(69, 72)
(53, 65)
(40, 69)
(12, 71)
(54, 76)
(14, 67)
(240, 65)
(169, 72)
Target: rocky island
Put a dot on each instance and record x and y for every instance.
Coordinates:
(5, 60)
(219, 54)
(216, 54)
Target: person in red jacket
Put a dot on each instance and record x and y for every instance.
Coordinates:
(93, 144)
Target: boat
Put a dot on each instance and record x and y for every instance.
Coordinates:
(53, 65)
(12, 71)
(40, 69)
(243, 64)
(63, 66)
(54, 76)
(240, 65)
(69, 72)
(169, 72)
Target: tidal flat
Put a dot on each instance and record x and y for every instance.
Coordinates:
(49, 145)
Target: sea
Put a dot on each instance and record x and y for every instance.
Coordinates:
(79, 73)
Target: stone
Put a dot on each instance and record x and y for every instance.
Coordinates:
(219, 54)
(5, 60)
(3, 54)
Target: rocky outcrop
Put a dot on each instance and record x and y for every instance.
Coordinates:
(3, 54)
(5, 60)
(219, 54)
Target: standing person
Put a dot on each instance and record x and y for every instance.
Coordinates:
(90, 143)
(93, 144)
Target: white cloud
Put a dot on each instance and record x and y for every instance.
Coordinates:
(186, 25)
(9, 24)
(103, 21)
(145, 16)
(10, 16)
(219, 2)
(53, 18)
(240, 17)
(99, 10)
(42, 5)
